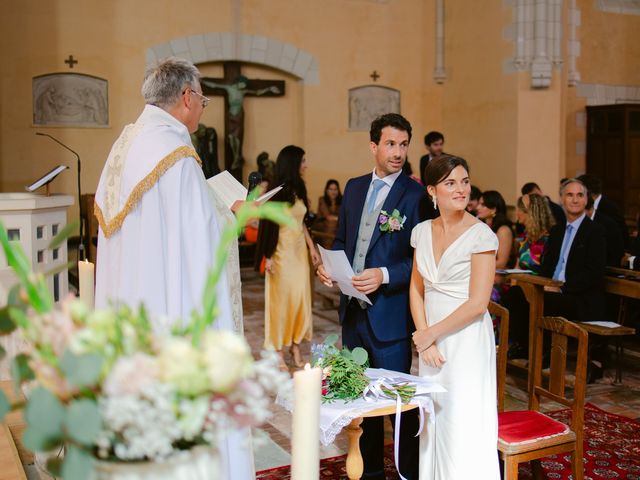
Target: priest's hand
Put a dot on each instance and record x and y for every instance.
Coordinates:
(237, 205)
(432, 357)
(324, 276)
(368, 281)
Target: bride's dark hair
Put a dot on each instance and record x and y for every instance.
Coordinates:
(440, 168)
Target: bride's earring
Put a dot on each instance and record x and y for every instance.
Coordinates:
(435, 203)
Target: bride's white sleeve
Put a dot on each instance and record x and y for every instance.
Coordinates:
(485, 240)
(415, 234)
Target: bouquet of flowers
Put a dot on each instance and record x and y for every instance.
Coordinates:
(103, 386)
(343, 375)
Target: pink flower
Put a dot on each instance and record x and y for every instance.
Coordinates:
(394, 223)
(130, 375)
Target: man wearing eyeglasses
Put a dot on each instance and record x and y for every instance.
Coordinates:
(160, 222)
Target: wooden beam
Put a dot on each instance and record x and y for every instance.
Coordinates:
(10, 465)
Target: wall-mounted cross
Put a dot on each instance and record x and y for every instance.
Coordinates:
(71, 61)
(235, 87)
(375, 75)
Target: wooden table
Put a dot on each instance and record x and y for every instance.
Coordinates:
(355, 466)
(533, 289)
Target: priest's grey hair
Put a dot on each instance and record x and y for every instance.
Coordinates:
(165, 81)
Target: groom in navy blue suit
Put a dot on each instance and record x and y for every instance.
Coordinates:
(379, 251)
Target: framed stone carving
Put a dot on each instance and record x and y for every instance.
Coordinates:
(370, 101)
(70, 100)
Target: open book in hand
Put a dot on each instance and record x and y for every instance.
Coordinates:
(231, 190)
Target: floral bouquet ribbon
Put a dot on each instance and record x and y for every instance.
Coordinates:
(404, 387)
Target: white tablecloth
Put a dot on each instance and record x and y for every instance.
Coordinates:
(336, 415)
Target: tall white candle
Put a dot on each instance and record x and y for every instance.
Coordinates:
(305, 438)
(86, 287)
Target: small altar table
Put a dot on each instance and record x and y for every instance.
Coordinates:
(354, 462)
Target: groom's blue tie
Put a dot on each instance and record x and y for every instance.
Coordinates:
(371, 203)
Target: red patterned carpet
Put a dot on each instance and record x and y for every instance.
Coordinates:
(611, 451)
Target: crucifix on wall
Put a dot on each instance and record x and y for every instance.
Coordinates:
(234, 86)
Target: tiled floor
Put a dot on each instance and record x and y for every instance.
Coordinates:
(623, 399)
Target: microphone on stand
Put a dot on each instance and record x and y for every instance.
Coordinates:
(255, 178)
(81, 252)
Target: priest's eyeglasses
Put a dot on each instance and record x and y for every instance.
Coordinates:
(205, 100)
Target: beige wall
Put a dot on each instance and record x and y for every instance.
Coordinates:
(509, 133)
(349, 39)
(610, 55)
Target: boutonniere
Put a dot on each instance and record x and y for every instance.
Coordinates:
(391, 223)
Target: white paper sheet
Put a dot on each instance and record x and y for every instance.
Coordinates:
(231, 190)
(507, 271)
(228, 188)
(266, 196)
(339, 269)
(604, 324)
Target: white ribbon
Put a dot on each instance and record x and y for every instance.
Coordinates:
(375, 391)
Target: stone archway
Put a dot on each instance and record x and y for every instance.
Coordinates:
(227, 46)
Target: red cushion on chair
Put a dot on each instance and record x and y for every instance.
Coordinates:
(523, 426)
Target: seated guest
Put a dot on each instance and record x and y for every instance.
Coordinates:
(408, 171)
(604, 205)
(633, 261)
(613, 236)
(434, 141)
(556, 209)
(534, 213)
(576, 255)
(328, 207)
(474, 198)
(492, 210)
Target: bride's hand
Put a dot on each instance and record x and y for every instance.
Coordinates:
(432, 357)
(422, 339)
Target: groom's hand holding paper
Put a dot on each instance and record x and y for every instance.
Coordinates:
(368, 281)
(337, 267)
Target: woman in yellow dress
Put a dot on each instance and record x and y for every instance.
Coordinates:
(287, 311)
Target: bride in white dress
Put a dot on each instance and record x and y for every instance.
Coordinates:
(453, 271)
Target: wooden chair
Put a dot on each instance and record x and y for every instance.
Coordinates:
(502, 314)
(531, 435)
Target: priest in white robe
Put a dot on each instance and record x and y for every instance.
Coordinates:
(160, 223)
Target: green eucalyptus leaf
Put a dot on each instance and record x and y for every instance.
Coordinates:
(19, 317)
(62, 235)
(45, 413)
(331, 340)
(77, 464)
(54, 466)
(82, 422)
(39, 441)
(81, 370)
(359, 355)
(59, 269)
(20, 369)
(7, 325)
(14, 296)
(5, 406)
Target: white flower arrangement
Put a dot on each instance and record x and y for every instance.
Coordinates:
(105, 387)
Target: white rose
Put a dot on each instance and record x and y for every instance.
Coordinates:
(180, 365)
(227, 358)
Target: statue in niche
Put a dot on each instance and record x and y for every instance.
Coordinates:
(205, 140)
(266, 167)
